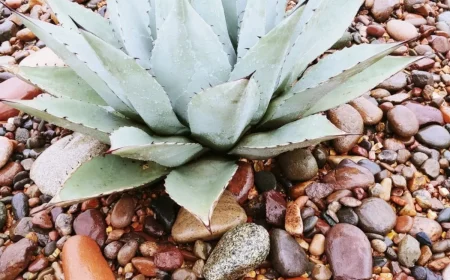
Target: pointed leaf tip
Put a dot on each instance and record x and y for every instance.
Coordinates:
(197, 186)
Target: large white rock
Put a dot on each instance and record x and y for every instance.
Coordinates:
(54, 165)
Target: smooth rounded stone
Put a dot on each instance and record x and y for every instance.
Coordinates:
(370, 112)
(399, 181)
(275, 208)
(403, 121)
(52, 167)
(419, 272)
(226, 215)
(123, 212)
(6, 150)
(320, 154)
(349, 241)
(376, 216)
(14, 88)
(375, 30)
(83, 260)
(425, 114)
(287, 257)
(418, 158)
(15, 258)
(50, 248)
(309, 223)
(444, 215)
(152, 227)
(347, 215)
(127, 252)
(421, 79)
(382, 9)
(431, 167)
(346, 118)
(350, 202)
(373, 167)
(91, 223)
(112, 250)
(441, 246)
(242, 182)
(7, 30)
(393, 144)
(403, 224)
(394, 83)
(165, 210)
(147, 267)
(432, 228)
(379, 93)
(348, 176)
(387, 156)
(408, 251)
(8, 172)
(440, 44)
(298, 165)
(20, 208)
(423, 239)
(401, 30)
(239, 251)
(434, 136)
(378, 245)
(317, 246)
(265, 181)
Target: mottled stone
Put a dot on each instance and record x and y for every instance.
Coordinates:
(238, 251)
(376, 216)
(349, 241)
(15, 258)
(408, 251)
(432, 228)
(346, 118)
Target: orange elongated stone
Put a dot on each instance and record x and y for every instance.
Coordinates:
(83, 260)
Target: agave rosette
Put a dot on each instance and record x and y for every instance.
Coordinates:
(184, 88)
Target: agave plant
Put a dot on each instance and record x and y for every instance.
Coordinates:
(184, 88)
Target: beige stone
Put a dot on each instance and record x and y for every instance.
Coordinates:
(226, 215)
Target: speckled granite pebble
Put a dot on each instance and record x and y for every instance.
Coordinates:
(239, 251)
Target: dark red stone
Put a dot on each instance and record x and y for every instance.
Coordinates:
(242, 182)
(91, 223)
(275, 208)
(169, 260)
